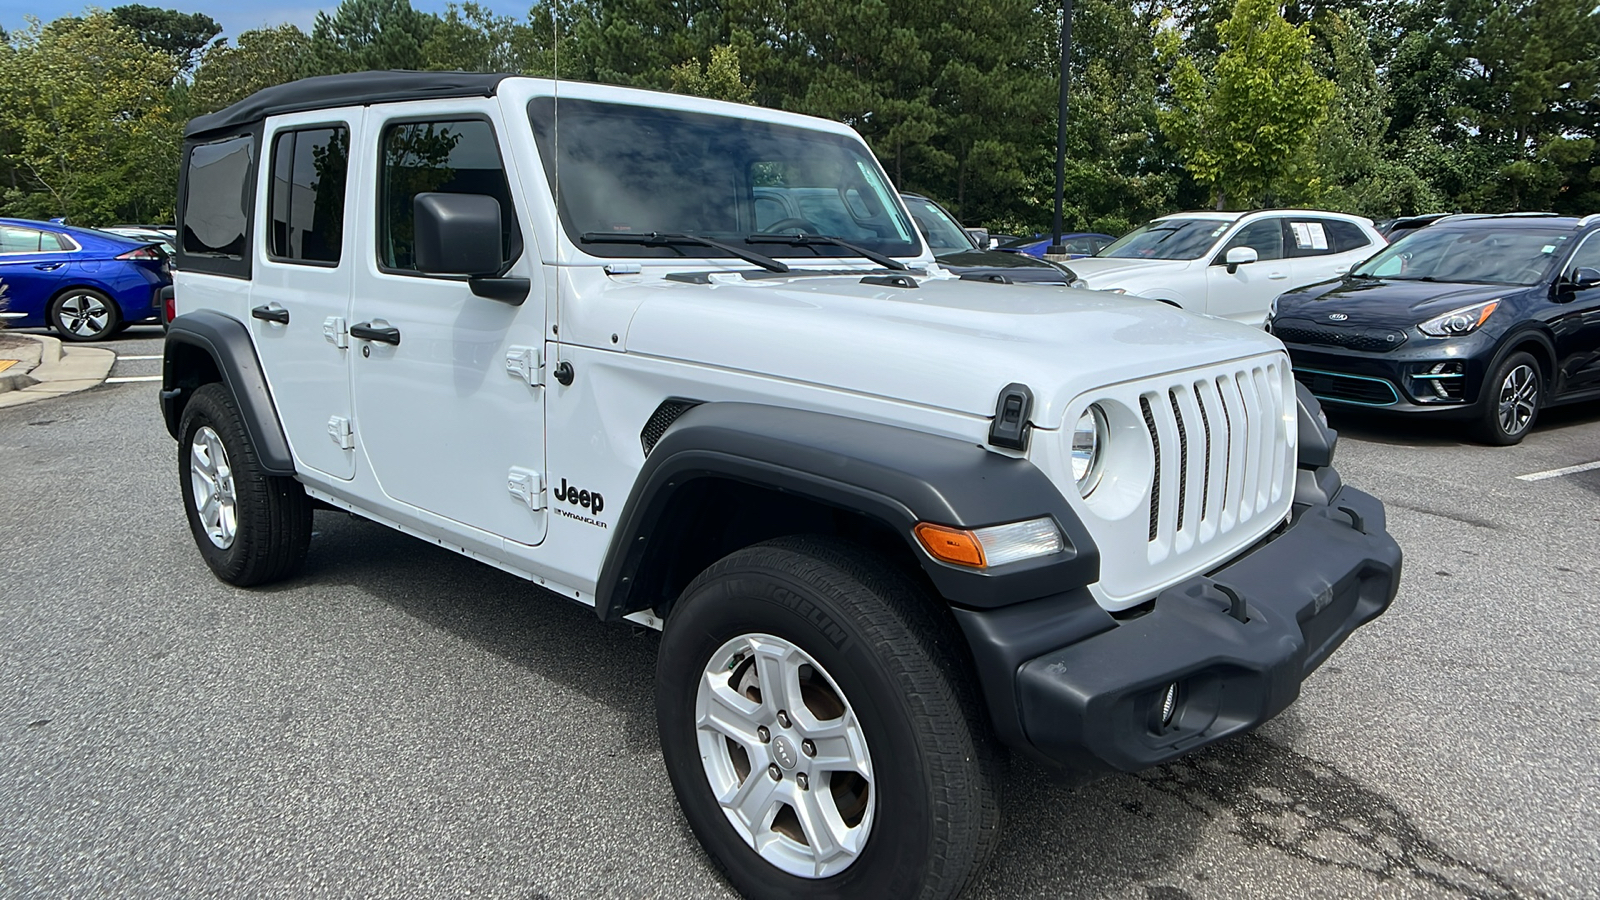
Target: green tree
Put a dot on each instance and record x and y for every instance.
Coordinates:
(1245, 127)
(718, 79)
(180, 35)
(471, 38)
(263, 58)
(85, 102)
(362, 35)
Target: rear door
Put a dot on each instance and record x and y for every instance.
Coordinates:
(301, 290)
(1323, 249)
(1245, 293)
(33, 264)
(451, 417)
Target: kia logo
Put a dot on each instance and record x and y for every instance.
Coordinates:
(1338, 317)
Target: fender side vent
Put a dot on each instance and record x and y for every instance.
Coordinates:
(662, 419)
(899, 281)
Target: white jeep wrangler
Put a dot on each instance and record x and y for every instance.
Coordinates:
(890, 521)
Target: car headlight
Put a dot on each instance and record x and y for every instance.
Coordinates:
(1088, 440)
(1079, 283)
(1461, 321)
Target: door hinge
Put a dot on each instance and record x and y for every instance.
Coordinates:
(527, 486)
(336, 332)
(526, 363)
(339, 429)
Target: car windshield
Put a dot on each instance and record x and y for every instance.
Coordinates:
(631, 170)
(1478, 255)
(1167, 239)
(942, 232)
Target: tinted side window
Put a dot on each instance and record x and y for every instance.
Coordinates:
(216, 203)
(49, 241)
(19, 240)
(1345, 236)
(451, 157)
(1586, 256)
(1310, 237)
(307, 194)
(1265, 236)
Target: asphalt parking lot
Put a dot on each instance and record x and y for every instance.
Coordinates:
(403, 722)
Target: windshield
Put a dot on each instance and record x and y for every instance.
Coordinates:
(1482, 255)
(632, 170)
(942, 232)
(1167, 239)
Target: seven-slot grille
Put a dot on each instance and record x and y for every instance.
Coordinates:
(1220, 445)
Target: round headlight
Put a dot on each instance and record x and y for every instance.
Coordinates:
(1088, 437)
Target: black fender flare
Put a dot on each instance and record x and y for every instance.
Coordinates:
(226, 342)
(894, 475)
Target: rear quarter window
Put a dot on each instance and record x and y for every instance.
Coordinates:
(1346, 236)
(218, 195)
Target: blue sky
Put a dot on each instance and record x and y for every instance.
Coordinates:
(234, 16)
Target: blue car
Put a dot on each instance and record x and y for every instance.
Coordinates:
(85, 284)
(1078, 244)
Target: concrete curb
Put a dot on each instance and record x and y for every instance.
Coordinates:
(61, 370)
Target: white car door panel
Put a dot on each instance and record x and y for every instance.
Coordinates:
(1245, 293)
(451, 415)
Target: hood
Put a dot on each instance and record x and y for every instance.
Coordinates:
(945, 344)
(1392, 303)
(1015, 266)
(1103, 271)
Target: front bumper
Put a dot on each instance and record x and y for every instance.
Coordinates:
(1094, 705)
(1398, 381)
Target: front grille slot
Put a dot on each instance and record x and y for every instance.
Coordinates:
(1155, 482)
(1183, 456)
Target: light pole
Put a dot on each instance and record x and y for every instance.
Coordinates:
(1061, 124)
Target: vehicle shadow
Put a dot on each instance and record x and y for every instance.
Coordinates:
(1131, 833)
(1425, 431)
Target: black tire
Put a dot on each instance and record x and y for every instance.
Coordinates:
(898, 659)
(1513, 394)
(84, 314)
(271, 514)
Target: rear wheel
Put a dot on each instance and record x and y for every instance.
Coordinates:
(1513, 395)
(251, 528)
(820, 730)
(85, 314)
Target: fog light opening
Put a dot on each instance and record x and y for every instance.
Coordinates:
(1169, 704)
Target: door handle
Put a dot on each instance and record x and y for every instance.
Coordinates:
(1278, 276)
(271, 314)
(1341, 270)
(49, 267)
(366, 332)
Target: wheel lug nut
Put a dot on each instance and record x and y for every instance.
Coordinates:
(808, 748)
(775, 772)
(764, 734)
(783, 718)
(803, 781)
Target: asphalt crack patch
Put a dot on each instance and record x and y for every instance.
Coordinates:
(1311, 811)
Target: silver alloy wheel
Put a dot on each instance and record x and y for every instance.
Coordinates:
(212, 479)
(1519, 399)
(785, 756)
(85, 314)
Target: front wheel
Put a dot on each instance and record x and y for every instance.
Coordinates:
(820, 728)
(1513, 393)
(251, 528)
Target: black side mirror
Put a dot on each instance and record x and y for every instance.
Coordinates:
(1583, 278)
(459, 234)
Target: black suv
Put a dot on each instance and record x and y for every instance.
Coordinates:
(1482, 318)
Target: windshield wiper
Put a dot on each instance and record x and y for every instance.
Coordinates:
(812, 240)
(658, 239)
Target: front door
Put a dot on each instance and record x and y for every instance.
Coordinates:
(1575, 323)
(301, 289)
(1245, 293)
(450, 422)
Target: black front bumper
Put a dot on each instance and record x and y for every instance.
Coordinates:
(1094, 703)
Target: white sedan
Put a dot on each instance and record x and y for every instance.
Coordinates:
(1229, 264)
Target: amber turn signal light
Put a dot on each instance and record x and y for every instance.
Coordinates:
(951, 545)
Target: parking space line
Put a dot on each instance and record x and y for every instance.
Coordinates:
(154, 356)
(1556, 473)
(124, 379)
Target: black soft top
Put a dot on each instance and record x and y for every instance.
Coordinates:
(354, 89)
